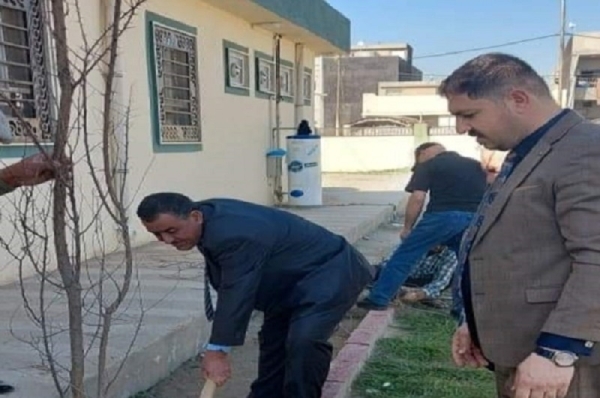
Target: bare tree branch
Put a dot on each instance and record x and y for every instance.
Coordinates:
(58, 230)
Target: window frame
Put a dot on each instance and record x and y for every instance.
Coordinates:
(230, 48)
(39, 50)
(154, 22)
(262, 58)
(288, 67)
(307, 95)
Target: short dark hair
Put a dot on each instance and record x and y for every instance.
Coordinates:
(420, 149)
(164, 203)
(491, 75)
(424, 146)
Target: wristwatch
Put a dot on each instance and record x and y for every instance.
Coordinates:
(562, 359)
(215, 347)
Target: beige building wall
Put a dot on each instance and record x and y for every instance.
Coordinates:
(38, 212)
(235, 128)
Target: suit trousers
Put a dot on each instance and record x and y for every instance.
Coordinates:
(294, 348)
(585, 383)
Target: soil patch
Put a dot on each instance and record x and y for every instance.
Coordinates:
(184, 382)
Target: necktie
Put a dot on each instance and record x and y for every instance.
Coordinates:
(208, 305)
(486, 201)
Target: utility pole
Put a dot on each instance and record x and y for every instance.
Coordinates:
(561, 51)
(337, 96)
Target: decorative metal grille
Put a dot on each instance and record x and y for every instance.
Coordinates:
(23, 73)
(237, 68)
(287, 81)
(266, 76)
(177, 89)
(443, 130)
(380, 131)
(307, 86)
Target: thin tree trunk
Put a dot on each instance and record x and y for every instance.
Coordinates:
(69, 273)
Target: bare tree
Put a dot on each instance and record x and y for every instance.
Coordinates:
(52, 231)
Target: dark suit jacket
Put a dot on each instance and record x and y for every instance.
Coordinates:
(535, 262)
(271, 260)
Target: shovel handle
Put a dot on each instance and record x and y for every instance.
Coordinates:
(208, 391)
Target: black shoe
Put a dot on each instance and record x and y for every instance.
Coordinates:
(376, 276)
(371, 306)
(5, 388)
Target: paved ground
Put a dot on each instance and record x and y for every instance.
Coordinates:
(359, 188)
(168, 301)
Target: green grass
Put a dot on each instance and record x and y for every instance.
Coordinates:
(417, 363)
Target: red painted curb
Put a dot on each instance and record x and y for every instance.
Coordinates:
(348, 363)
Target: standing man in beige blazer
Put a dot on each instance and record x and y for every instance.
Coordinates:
(531, 258)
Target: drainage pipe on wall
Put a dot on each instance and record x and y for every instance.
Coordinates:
(299, 83)
(278, 185)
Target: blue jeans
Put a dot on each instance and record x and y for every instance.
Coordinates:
(438, 228)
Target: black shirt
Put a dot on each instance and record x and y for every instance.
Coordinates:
(454, 182)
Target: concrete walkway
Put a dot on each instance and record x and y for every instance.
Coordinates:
(166, 299)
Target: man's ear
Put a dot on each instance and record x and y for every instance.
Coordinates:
(196, 216)
(519, 100)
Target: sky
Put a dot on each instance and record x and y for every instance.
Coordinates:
(440, 26)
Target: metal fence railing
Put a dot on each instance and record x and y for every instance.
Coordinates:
(438, 131)
(586, 80)
(367, 131)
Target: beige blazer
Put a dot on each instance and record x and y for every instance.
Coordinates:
(535, 262)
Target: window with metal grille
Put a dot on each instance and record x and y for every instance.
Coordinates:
(177, 88)
(24, 95)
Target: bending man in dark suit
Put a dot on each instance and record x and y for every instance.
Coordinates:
(303, 277)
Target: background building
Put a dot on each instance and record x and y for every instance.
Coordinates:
(341, 81)
(581, 74)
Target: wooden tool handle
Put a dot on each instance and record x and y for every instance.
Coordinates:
(208, 391)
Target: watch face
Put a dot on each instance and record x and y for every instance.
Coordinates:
(565, 359)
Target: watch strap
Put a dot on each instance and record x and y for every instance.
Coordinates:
(543, 352)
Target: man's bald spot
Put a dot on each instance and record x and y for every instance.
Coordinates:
(430, 152)
(436, 148)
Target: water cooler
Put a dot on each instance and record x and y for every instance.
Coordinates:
(304, 170)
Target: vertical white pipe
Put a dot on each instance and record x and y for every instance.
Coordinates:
(299, 83)
(278, 188)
